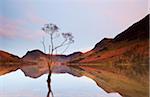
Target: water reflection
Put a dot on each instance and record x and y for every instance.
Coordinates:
(37, 71)
(49, 85)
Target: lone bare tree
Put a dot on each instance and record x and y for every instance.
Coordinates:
(52, 31)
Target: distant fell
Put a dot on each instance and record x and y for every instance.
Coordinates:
(139, 30)
(136, 36)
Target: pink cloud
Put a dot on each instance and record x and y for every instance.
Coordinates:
(35, 19)
(11, 29)
(7, 28)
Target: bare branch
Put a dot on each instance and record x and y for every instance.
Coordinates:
(43, 43)
(65, 49)
(56, 35)
(68, 40)
(51, 41)
(49, 49)
(62, 44)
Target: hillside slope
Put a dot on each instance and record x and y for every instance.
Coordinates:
(8, 62)
(121, 64)
(135, 38)
(5, 56)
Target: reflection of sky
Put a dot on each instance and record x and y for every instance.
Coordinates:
(89, 20)
(63, 85)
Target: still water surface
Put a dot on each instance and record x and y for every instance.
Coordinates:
(15, 84)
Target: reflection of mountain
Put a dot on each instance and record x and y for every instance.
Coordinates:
(120, 64)
(34, 63)
(128, 52)
(35, 71)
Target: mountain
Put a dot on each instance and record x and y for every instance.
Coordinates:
(37, 55)
(74, 55)
(33, 55)
(122, 63)
(5, 56)
(8, 62)
(119, 64)
(139, 30)
(102, 44)
(135, 39)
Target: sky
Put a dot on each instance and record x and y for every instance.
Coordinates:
(88, 20)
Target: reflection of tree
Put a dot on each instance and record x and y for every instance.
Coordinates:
(49, 85)
(51, 30)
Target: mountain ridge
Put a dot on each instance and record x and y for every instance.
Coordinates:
(138, 32)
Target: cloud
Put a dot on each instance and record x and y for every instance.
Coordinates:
(13, 29)
(35, 19)
(8, 28)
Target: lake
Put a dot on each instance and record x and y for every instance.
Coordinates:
(31, 81)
